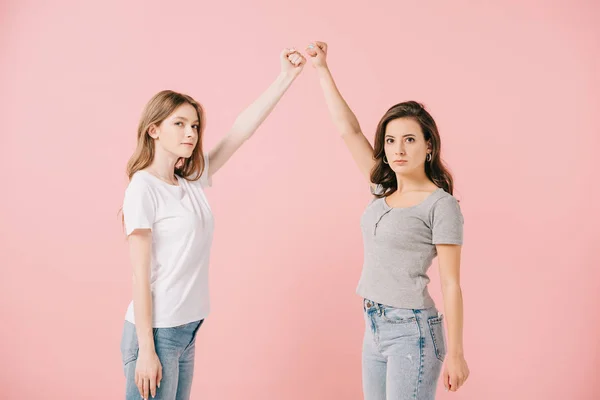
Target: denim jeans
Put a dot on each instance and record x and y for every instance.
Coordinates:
(403, 352)
(175, 348)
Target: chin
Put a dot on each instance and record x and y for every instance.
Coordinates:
(401, 168)
(404, 170)
(186, 154)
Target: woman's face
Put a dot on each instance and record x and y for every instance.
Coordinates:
(178, 134)
(405, 146)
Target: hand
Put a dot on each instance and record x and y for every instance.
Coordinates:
(318, 54)
(148, 373)
(456, 372)
(292, 62)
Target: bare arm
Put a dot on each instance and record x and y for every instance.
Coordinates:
(343, 118)
(140, 245)
(148, 368)
(252, 117)
(456, 371)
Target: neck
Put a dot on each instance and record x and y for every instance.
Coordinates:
(163, 163)
(413, 181)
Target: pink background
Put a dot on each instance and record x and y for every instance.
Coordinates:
(514, 87)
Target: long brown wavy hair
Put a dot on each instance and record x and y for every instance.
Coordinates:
(435, 169)
(160, 106)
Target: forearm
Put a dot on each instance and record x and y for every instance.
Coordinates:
(252, 117)
(453, 309)
(344, 119)
(142, 295)
(142, 304)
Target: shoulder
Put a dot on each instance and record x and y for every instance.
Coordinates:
(441, 198)
(443, 204)
(140, 184)
(201, 177)
(378, 190)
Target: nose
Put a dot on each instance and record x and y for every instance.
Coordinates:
(190, 132)
(400, 149)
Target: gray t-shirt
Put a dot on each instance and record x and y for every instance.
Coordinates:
(399, 246)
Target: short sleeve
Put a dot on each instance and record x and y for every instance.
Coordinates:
(205, 179)
(447, 221)
(139, 209)
(377, 190)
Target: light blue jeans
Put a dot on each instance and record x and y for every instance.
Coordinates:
(175, 348)
(403, 352)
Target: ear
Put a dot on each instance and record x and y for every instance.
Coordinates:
(429, 146)
(153, 131)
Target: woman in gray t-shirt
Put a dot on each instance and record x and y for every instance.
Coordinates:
(412, 218)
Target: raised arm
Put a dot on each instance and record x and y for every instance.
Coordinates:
(252, 117)
(344, 119)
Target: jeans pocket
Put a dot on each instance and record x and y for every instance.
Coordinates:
(398, 315)
(129, 356)
(129, 344)
(436, 327)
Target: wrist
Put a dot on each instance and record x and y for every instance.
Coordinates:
(322, 69)
(146, 340)
(147, 348)
(286, 77)
(456, 353)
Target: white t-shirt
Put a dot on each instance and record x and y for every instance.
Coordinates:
(182, 231)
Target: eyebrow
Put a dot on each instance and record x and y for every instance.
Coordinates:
(185, 119)
(408, 134)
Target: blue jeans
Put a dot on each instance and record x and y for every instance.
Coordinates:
(175, 348)
(403, 352)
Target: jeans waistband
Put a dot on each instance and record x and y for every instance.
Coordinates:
(370, 304)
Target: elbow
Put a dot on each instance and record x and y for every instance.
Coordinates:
(349, 131)
(347, 126)
(451, 287)
(140, 278)
(242, 132)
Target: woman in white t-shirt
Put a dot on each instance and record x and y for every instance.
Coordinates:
(169, 226)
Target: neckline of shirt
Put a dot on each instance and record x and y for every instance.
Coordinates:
(388, 207)
(163, 182)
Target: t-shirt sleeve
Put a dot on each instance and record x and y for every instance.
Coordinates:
(447, 221)
(139, 208)
(377, 190)
(205, 179)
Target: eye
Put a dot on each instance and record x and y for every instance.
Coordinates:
(389, 140)
(179, 123)
(196, 127)
(410, 139)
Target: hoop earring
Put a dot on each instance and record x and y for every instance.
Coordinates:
(428, 158)
(385, 160)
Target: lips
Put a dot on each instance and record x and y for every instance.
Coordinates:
(400, 161)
